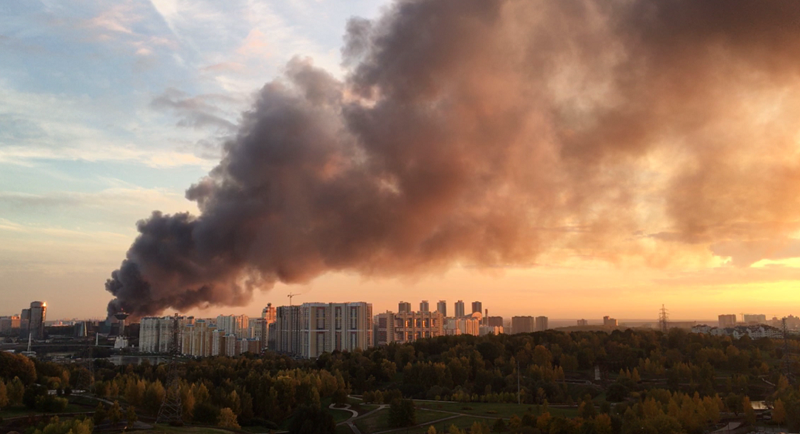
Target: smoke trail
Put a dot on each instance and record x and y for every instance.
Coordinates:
(490, 132)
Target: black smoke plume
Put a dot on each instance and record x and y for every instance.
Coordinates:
(490, 132)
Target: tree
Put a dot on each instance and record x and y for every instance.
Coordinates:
(100, 414)
(154, 397)
(479, 428)
(31, 393)
(115, 413)
(779, 412)
(312, 420)
(749, 413)
(17, 365)
(586, 410)
(134, 392)
(339, 397)
(15, 391)
(499, 426)
(402, 413)
(130, 416)
(3, 394)
(227, 419)
(206, 413)
(431, 430)
(602, 424)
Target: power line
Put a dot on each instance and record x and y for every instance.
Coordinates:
(663, 319)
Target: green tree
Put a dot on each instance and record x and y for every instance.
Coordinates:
(339, 397)
(402, 413)
(206, 413)
(499, 426)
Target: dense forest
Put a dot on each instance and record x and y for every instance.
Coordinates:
(649, 381)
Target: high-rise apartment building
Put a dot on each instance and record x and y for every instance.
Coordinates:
(404, 306)
(38, 317)
(268, 313)
(477, 306)
(424, 306)
(754, 319)
(522, 324)
(459, 309)
(287, 329)
(25, 322)
(441, 307)
(494, 321)
(328, 327)
(583, 323)
(311, 329)
(237, 325)
(405, 327)
(490, 330)
(609, 322)
(540, 324)
(727, 321)
(8, 323)
(198, 339)
(155, 333)
(467, 325)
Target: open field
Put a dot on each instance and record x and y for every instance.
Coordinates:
(166, 429)
(19, 410)
(495, 410)
(379, 421)
(462, 422)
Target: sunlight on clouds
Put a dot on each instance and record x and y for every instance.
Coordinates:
(766, 263)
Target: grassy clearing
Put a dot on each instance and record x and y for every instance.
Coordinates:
(343, 429)
(166, 429)
(18, 411)
(462, 422)
(493, 409)
(379, 421)
(340, 415)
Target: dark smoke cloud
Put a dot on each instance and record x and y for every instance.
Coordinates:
(488, 133)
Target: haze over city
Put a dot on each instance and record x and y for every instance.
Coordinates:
(583, 165)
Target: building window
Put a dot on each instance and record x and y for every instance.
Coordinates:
(320, 318)
(353, 317)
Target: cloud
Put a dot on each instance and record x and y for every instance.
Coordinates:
(474, 132)
(197, 111)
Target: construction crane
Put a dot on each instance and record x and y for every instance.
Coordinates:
(290, 297)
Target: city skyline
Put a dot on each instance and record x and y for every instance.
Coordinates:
(599, 218)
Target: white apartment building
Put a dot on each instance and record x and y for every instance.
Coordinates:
(311, 329)
(469, 325)
(155, 333)
(234, 324)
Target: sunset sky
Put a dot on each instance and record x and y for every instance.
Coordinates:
(110, 110)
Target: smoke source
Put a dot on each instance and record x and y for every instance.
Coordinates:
(487, 133)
